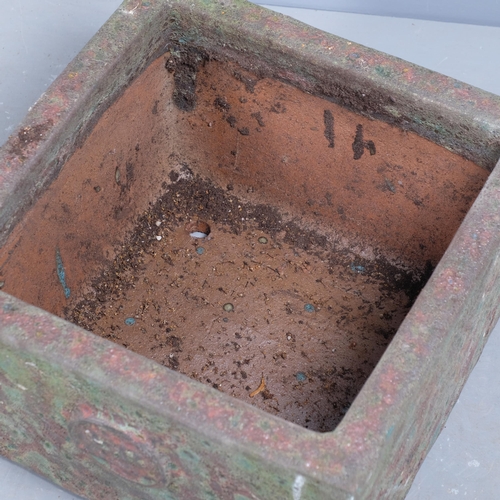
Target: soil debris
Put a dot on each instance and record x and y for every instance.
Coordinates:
(262, 293)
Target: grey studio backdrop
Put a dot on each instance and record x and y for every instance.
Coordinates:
(484, 12)
(458, 38)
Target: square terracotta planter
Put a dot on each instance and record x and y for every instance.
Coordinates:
(300, 233)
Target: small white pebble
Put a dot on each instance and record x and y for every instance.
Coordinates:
(158, 223)
(158, 237)
(197, 234)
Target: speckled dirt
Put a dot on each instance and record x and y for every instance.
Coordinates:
(244, 305)
(354, 214)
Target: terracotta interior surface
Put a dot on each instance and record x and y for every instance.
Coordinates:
(324, 226)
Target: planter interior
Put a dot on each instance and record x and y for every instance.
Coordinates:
(325, 218)
(309, 205)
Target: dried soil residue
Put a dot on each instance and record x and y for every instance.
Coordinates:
(261, 300)
(27, 136)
